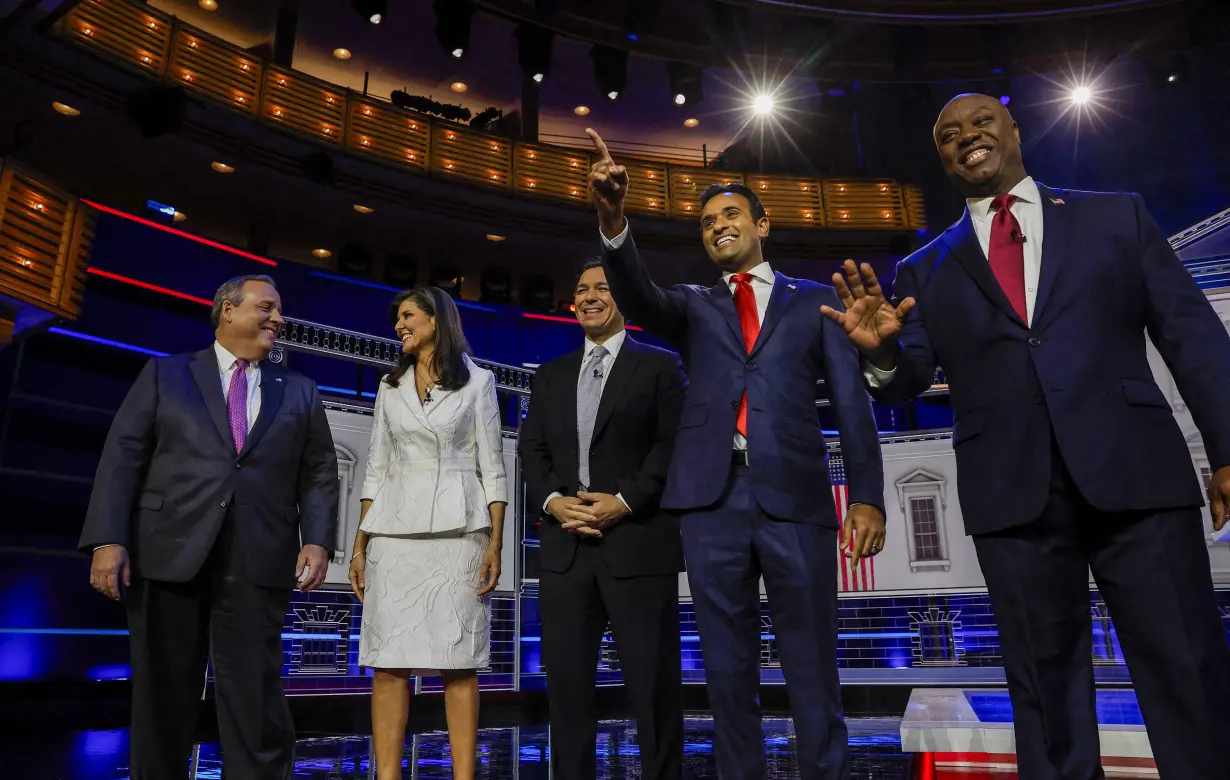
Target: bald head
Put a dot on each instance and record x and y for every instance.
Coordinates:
(979, 145)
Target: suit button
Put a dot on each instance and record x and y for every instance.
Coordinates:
(734, 405)
(750, 366)
(223, 505)
(238, 465)
(1039, 400)
(1034, 341)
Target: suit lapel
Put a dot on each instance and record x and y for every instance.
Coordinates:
(963, 243)
(623, 369)
(271, 401)
(779, 300)
(204, 368)
(724, 301)
(568, 390)
(1056, 227)
(409, 396)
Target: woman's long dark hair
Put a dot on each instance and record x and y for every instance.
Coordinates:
(448, 360)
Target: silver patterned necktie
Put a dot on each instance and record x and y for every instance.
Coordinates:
(589, 394)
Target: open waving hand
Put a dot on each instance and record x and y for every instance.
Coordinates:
(608, 186)
(870, 321)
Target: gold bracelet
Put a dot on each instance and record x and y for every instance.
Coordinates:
(356, 555)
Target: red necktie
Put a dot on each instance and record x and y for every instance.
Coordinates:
(1007, 253)
(749, 321)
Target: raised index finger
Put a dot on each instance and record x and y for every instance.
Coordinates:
(599, 144)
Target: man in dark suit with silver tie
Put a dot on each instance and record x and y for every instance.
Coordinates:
(595, 446)
(216, 489)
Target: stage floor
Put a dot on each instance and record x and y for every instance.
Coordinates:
(518, 753)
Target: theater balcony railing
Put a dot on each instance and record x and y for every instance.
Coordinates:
(45, 240)
(161, 46)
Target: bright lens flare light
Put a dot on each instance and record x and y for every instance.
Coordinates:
(762, 105)
(1082, 95)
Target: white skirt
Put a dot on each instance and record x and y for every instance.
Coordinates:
(421, 608)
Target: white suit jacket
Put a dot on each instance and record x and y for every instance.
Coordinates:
(433, 468)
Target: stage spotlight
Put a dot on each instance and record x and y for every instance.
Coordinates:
(448, 278)
(495, 286)
(534, 50)
(354, 260)
(762, 105)
(610, 70)
(537, 293)
(453, 18)
(1080, 95)
(685, 82)
(371, 10)
(401, 270)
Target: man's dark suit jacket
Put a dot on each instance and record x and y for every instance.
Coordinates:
(633, 440)
(169, 475)
(1108, 277)
(797, 346)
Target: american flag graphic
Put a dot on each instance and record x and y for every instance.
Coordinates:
(863, 576)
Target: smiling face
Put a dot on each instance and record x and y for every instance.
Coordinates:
(732, 235)
(596, 310)
(415, 328)
(249, 328)
(979, 146)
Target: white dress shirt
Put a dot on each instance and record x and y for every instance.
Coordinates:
(613, 345)
(227, 363)
(1027, 208)
(762, 287)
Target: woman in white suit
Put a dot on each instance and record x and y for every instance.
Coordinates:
(427, 552)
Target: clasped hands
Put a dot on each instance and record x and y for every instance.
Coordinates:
(587, 514)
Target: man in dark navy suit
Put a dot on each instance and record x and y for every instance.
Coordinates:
(750, 471)
(1036, 304)
(217, 488)
(595, 445)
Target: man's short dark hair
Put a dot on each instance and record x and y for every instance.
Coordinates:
(232, 290)
(593, 262)
(713, 190)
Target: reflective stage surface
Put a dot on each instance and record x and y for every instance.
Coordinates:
(505, 754)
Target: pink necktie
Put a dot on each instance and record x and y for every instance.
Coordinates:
(237, 405)
(1007, 253)
(749, 321)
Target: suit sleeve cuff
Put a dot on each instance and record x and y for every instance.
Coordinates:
(551, 498)
(617, 241)
(877, 377)
(620, 496)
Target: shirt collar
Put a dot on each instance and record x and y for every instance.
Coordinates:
(763, 272)
(226, 361)
(1026, 191)
(612, 345)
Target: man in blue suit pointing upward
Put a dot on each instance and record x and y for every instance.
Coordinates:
(749, 474)
(1036, 303)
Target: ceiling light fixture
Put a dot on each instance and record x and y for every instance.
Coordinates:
(222, 167)
(179, 216)
(209, 5)
(494, 237)
(341, 53)
(65, 109)
(610, 70)
(371, 10)
(685, 82)
(363, 209)
(581, 110)
(453, 18)
(534, 50)
(458, 86)
(691, 122)
(322, 253)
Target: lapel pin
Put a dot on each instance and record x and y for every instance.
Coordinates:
(1058, 201)
(278, 379)
(791, 287)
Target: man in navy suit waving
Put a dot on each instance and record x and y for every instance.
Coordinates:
(1036, 303)
(749, 474)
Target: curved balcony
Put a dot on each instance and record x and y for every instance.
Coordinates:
(162, 47)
